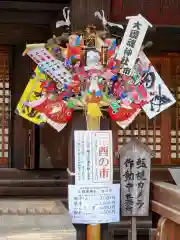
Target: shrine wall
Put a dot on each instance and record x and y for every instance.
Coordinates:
(162, 10)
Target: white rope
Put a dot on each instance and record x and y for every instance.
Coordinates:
(101, 17)
(70, 173)
(66, 16)
(104, 21)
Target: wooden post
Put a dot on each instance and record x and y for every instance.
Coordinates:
(133, 229)
(78, 123)
(93, 231)
(84, 9)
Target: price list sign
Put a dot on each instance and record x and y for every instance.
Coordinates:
(94, 204)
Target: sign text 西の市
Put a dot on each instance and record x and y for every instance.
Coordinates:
(93, 157)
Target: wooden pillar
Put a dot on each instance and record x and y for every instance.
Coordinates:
(167, 229)
(20, 126)
(115, 128)
(166, 118)
(82, 12)
(97, 231)
(78, 123)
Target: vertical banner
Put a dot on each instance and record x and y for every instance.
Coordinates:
(132, 42)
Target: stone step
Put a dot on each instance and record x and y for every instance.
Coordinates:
(35, 219)
(40, 187)
(38, 235)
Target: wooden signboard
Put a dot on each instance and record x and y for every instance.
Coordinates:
(135, 162)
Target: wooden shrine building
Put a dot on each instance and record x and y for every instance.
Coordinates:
(33, 161)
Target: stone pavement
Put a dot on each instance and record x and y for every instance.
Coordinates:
(35, 219)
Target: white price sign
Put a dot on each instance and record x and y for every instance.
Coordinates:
(94, 204)
(93, 157)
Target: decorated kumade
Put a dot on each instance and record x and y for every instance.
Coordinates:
(89, 71)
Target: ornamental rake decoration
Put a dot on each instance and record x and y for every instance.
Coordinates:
(89, 71)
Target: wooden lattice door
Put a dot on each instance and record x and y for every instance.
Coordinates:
(175, 113)
(5, 108)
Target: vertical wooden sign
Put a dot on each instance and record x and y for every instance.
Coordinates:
(135, 167)
(135, 178)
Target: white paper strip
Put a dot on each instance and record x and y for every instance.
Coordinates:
(57, 126)
(93, 157)
(132, 42)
